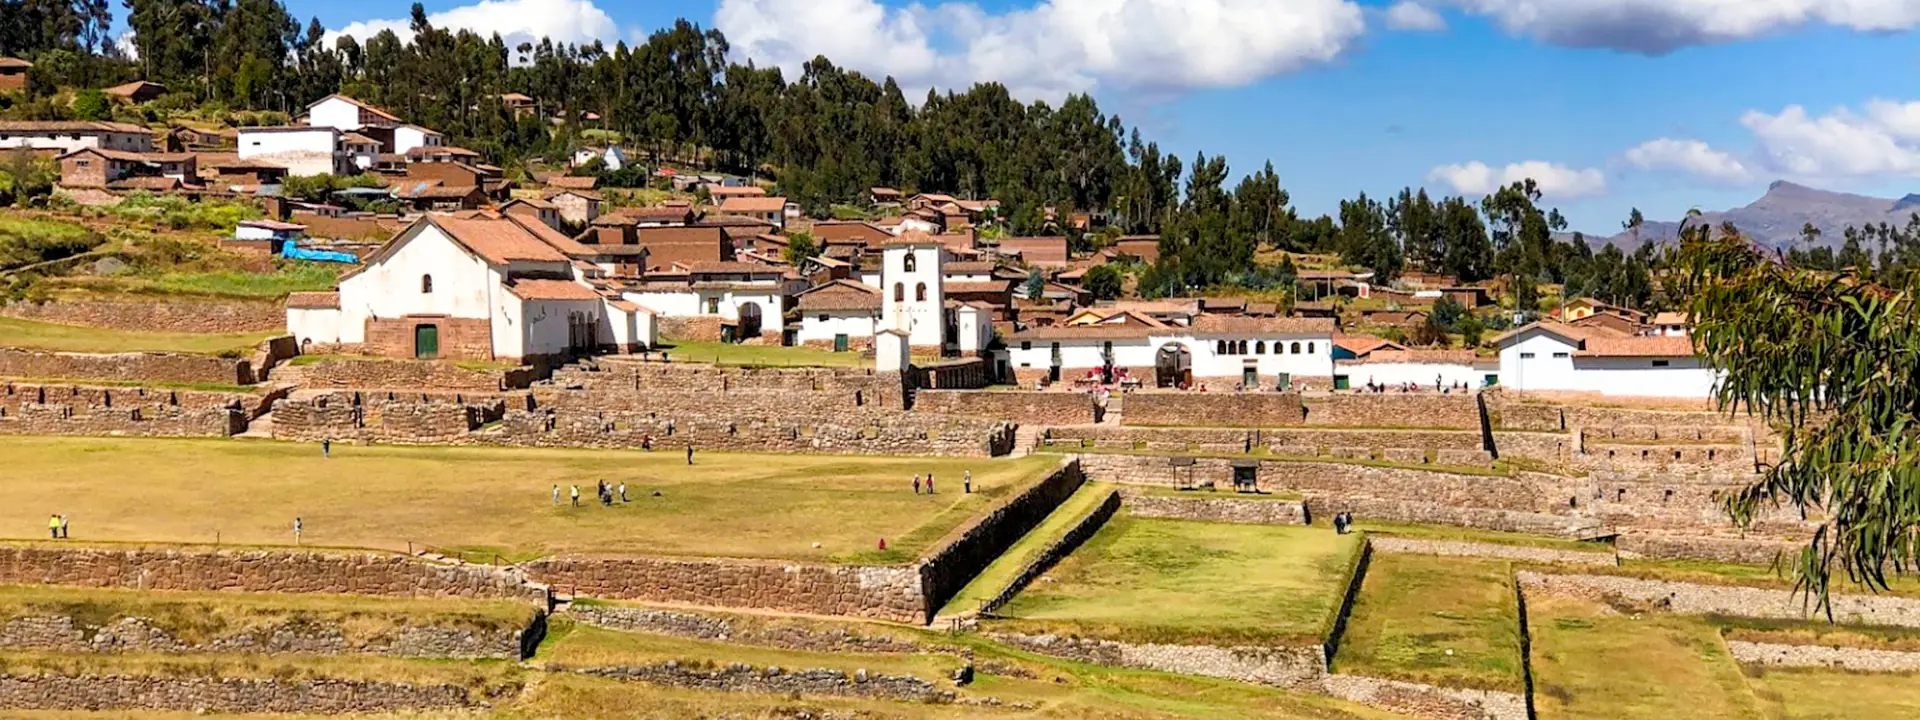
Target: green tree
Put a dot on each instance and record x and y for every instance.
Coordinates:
(1036, 285)
(1104, 282)
(92, 105)
(1825, 358)
(800, 248)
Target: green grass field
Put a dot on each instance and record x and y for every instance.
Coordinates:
(1177, 581)
(1590, 662)
(1004, 569)
(78, 338)
(1441, 621)
(759, 355)
(1492, 537)
(1817, 694)
(197, 617)
(494, 499)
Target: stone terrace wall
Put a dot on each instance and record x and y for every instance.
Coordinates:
(1299, 668)
(1216, 508)
(259, 571)
(1853, 659)
(1749, 602)
(885, 593)
(1285, 441)
(229, 695)
(1427, 701)
(741, 677)
(125, 367)
(362, 372)
(295, 633)
(1069, 541)
(124, 411)
(615, 373)
(157, 313)
(1458, 411)
(945, 571)
(1021, 406)
(1214, 409)
(379, 418)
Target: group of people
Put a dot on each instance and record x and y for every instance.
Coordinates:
(1342, 522)
(57, 526)
(1440, 385)
(605, 490)
(966, 483)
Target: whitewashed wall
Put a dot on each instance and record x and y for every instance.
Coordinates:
(855, 324)
(1423, 374)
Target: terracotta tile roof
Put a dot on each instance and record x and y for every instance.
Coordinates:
(452, 150)
(356, 103)
(753, 204)
(314, 300)
(1235, 325)
(69, 126)
(498, 240)
(553, 192)
(11, 62)
(968, 268)
(144, 183)
(1419, 357)
(840, 295)
(128, 89)
(1037, 250)
(1096, 331)
(271, 225)
(850, 231)
(992, 286)
(1145, 247)
(731, 191)
(572, 182)
(727, 267)
(551, 290)
(1659, 347)
(433, 191)
(553, 238)
(1672, 318)
(1361, 345)
(358, 139)
(541, 204)
(656, 213)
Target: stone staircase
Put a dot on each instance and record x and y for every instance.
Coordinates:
(261, 428)
(1116, 409)
(1026, 439)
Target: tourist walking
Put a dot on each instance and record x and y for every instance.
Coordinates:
(929, 483)
(326, 447)
(689, 453)
(297, 527)
(623, 493)
(53, 526)
(556, 494)
(966, 482)
(916, 484)
(63, 528)
(575, 494)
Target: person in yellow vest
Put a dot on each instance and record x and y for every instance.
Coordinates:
(53, 526)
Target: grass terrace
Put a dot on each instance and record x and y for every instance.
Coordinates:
(1442, 621)
(733, 354)
(1590, 661)
(199, 616)
(1818, 694)
(988, 584)
(1178, 581)
(1492, 537)
(496, 500)
(82, 339)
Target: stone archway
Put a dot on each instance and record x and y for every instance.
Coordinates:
(1173, 366)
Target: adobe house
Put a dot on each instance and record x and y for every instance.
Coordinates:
(14, 75)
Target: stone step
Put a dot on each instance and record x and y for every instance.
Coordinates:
(261, 427)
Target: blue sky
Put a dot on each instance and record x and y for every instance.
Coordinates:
(1613, 104)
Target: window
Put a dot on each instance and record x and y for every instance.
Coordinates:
(1219, 347)
(823, 317)
(1562, 356)
(911, 265)
(1260, 348)
(920, 292)
(1295, 349)
(899, 292)
(713, 306)
(1661, 363)
(1026, 344)
(1107, 347)
(1309, 348)
(426, 284)
(1526, 356)
(83, 163)
(1242, 348)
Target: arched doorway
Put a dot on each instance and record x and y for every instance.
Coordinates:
(749, 321)
(1173, 366)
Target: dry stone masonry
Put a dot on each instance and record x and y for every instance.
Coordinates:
(1852, 659)
(126, 367)
(378, 574)
(1213, 507)
(740, 677)
(1298, 668)
(227, 695)
(293, 634)
(1737, 601)
(1451, 548)
(699, 626)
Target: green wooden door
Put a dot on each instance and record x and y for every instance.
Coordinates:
(840, 343)
(426, 341)
(1250, 377)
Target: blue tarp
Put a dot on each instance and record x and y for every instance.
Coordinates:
(295, 252)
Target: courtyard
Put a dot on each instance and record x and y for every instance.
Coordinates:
(495, 501)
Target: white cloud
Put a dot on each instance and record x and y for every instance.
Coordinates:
(1555, 180)
(1692, 156)
(1658, 26)
(517, 21)
(1839, 145)
(1052, 48)
(1409, 15)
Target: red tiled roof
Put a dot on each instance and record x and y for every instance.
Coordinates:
(551, 290)
(1361, 345)
(840, 295)
(753, 204)
(69, 126)
(1234, 325)
(732, 191)
(572, 182)
(314, 300)
(356, 103)
(1037, 250)
(498, 240)
(1660, 347)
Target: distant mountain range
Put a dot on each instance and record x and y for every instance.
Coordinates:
(1777, 217)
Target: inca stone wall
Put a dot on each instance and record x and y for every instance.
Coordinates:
(1738, 601)
(1459, 411)
(1853, 659)
(1745, 551)
(1452, 548)
(260, 571)
(947, 570)
(1216, 507)
(1027, 408)
(155, 314)
(764, 633)
(125, 367)
(128, 411)
(1214, 409)
(1427, 701)
(292, 634)
(368, 372)
(885, 593)
(740, 677)
(227, 695)
(1298, 668)
(1069, 541)
(381, 417)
